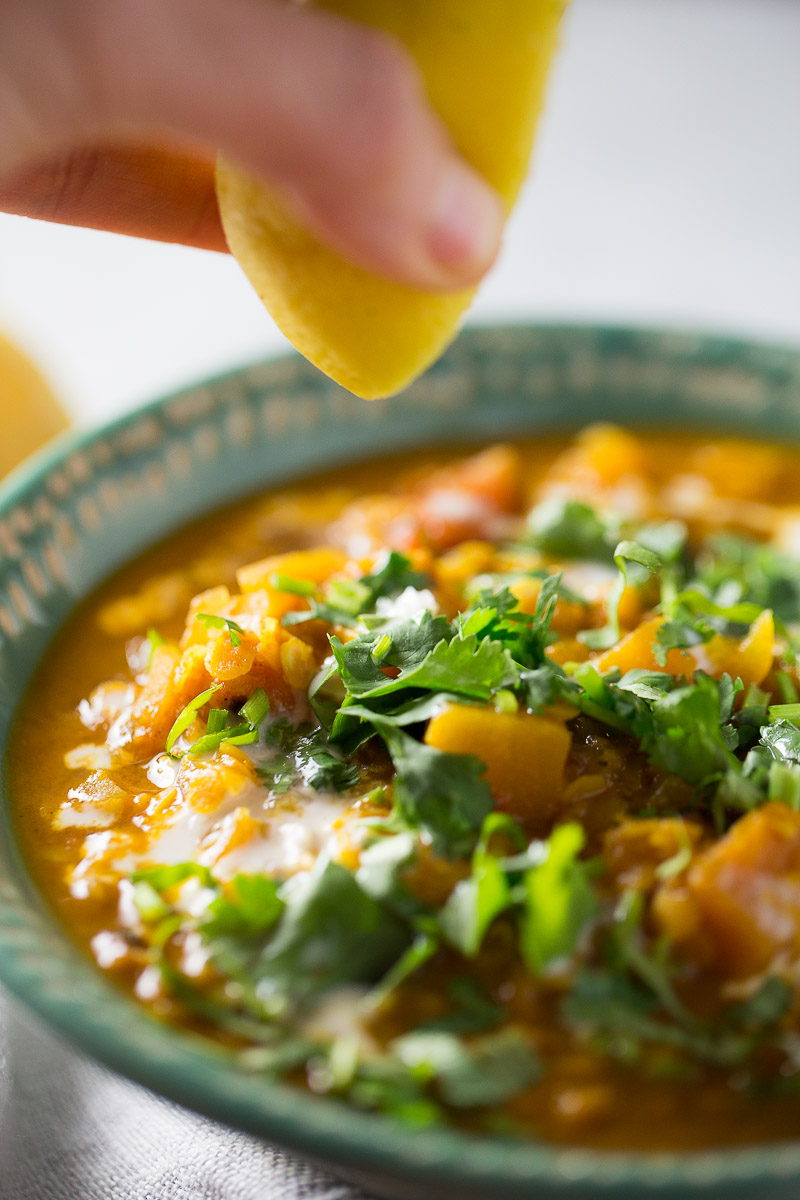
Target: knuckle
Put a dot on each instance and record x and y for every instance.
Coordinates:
(67, 185)
(383, 101)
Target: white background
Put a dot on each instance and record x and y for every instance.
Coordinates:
(666, 190)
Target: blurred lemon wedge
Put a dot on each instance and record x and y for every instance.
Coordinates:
(29, 412)
(485, 64)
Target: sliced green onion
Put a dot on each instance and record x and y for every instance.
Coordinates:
(217, 720)
(256, 708)
(679, 861)
(349, 595)
(505, 702)
(784, 784)
(189, 713)
(785, 712)
(295, 587)
(211, 620)
(149, 904)
(241, 739)
(212, 741)
(381, 648)
(786, 687)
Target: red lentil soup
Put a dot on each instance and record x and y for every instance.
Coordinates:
(464, 789)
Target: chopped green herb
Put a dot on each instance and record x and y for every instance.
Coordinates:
(295, 587)
(625, 552)
(486, 1071)
(255, 709)
(559, 900)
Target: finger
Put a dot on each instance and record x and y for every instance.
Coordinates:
(331, 112)
(141, 191)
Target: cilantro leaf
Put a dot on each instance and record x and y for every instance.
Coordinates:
(250, 906)
(559, 899)
(751, 571)
(331, 933)
(441, 793)
(625, 552)
(305, 757)
(681, 732)
(344, 600)
(462, 667)
(568, 529)
(782, 739)
(679, 635)
(488, 1071)
(497, 616)
(477, 900)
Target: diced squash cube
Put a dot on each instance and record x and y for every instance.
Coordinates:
(611, 452)
(739, 469)
(739, 905)
(298, 663)
(313, 566)
(750, 659)
(524, 754)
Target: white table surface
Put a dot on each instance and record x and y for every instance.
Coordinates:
(666, 190)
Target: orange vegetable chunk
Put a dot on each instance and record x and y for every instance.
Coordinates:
(750, 659)
(313, 566)
(740, 904)
(524, 754)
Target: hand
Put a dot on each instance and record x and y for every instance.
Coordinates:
(111, 112)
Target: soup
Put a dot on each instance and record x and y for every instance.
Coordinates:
(460, 789)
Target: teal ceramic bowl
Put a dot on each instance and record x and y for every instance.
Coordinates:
(73, 514)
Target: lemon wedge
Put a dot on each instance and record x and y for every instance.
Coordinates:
(485, 64)
(29, 412)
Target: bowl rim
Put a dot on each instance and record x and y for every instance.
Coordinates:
(147, 1051)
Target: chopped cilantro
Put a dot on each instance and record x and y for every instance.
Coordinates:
(625, 552)
(344, 600)
(249, 906)
(306, 757)
(566, 529)
(559, 900)
(331, 932)
(477, 900)
(486, 1071)
(440, 793)
(295, 587)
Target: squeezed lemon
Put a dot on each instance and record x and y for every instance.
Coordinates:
(485, 64)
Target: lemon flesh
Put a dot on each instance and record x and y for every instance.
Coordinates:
(485, 64)
(29, 412)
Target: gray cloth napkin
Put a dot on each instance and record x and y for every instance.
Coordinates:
(70, 1130)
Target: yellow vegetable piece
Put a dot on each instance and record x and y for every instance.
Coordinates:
(485, 64)
(311, 566)
(524, 754)
(29, 412)
(750, 659)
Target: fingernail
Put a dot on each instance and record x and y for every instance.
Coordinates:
(467, 222)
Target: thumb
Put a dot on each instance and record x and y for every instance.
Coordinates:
(331, 112)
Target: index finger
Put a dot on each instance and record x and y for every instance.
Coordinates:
(143, 191)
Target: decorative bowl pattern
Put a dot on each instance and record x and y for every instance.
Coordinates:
(74, 513)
